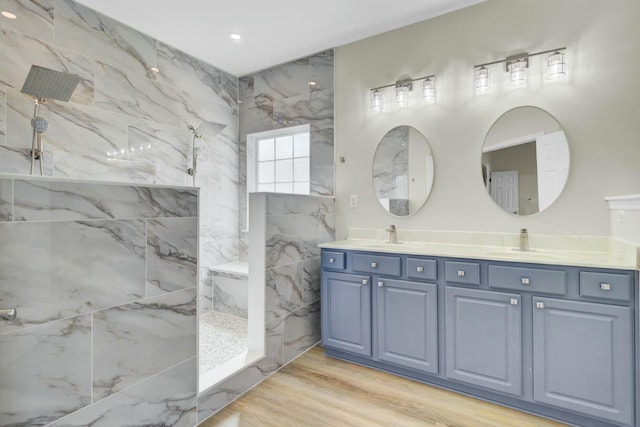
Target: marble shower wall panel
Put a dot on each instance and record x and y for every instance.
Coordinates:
(45, 371)
(294, 224)
(22, 51)
(283, 81)
(36, 18)
(96, 36)
(59, 269)
(168, 397)
(172, 250)
(37, 200)
(87, 346)
(205, 296)
(103, 168)
(16, 160)
(230, 294)
(3, 114)
(6, 200)
(163, 329)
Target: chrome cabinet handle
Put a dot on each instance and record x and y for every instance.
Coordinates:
(8, 314)
(514, 301)
(460, 273)
(332, 260)
(380, 284)
(419, 269)
(365, 281)
(605, 286)
(374, 265)
(525, 281)
(539, 304)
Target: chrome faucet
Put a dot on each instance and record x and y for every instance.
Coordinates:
(524, 240)
(393, 236)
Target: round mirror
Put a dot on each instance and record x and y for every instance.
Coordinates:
(525, 160)
(403, 171)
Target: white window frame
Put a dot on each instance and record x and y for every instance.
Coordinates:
(252, 154)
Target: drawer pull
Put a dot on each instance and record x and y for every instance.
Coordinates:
(605, 286)
(365, 281)
(539, 304)
(332, 260)
(419, 269)
(380, 284)
(514, 301)
(374, 265)
(525, 281)
(460, 273)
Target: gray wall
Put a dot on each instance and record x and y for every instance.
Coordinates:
(597, 107)
(295, 225)
(281, 97)
(104, 281)
(124, 123)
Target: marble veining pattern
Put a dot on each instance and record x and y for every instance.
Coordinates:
(6, 200)
(230, 294)
(283, 290)
(45, 371)
(167, 399)
(3, 114)
(26, 50)
(44, 200)
(162, 328)
(17, 160)
(205, 291)
(172, 252)
(301, 331)
(36, 18)
(97, 36)
(54, 270)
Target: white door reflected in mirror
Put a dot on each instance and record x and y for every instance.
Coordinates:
(525, 160)
(403, 171)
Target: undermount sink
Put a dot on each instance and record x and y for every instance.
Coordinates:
(530, 254)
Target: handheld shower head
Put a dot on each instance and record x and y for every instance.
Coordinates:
(39, 124)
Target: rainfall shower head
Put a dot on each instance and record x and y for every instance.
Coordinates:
(51, 84)
(206, 128)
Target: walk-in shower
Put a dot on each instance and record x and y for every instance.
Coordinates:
(43, 83)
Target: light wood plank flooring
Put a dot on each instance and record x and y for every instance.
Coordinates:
(316, 390)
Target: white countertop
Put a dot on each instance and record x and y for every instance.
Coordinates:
(613, 254)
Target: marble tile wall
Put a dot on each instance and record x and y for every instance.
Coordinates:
(295, 226)
(103, 277)
(281, 97)
(230, 293)
(124, 123)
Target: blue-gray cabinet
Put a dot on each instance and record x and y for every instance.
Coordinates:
(407, 315)
(558, 341)
(583, 357)
(484, 339)
(346, 312)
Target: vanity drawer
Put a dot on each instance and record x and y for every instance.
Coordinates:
(467, 273)
(425, 269)
(528, 279)
(334, 260)
(376, 264)
(605, 285)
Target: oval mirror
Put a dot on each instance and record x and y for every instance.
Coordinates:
(525, 160)
(403, 171)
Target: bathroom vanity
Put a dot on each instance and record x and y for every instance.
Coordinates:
(543, 332)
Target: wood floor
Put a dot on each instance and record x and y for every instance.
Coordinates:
(316, 390)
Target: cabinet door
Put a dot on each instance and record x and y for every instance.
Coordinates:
(484, 339)
(346, 312)
(582, 357)
(408, 324)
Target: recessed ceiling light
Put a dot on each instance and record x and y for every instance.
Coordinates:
(8, 15)
(235, 36)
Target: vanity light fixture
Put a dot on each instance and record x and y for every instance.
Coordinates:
(403, 90)
(517, 65)
(376, 101)
(482, 82)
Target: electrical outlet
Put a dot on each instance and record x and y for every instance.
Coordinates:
(353, 200)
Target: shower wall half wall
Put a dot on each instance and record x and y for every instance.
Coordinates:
(124, 122)
(104, 280)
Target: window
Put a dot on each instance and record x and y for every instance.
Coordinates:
(278, 161)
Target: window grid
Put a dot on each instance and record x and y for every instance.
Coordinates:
(283, 163)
